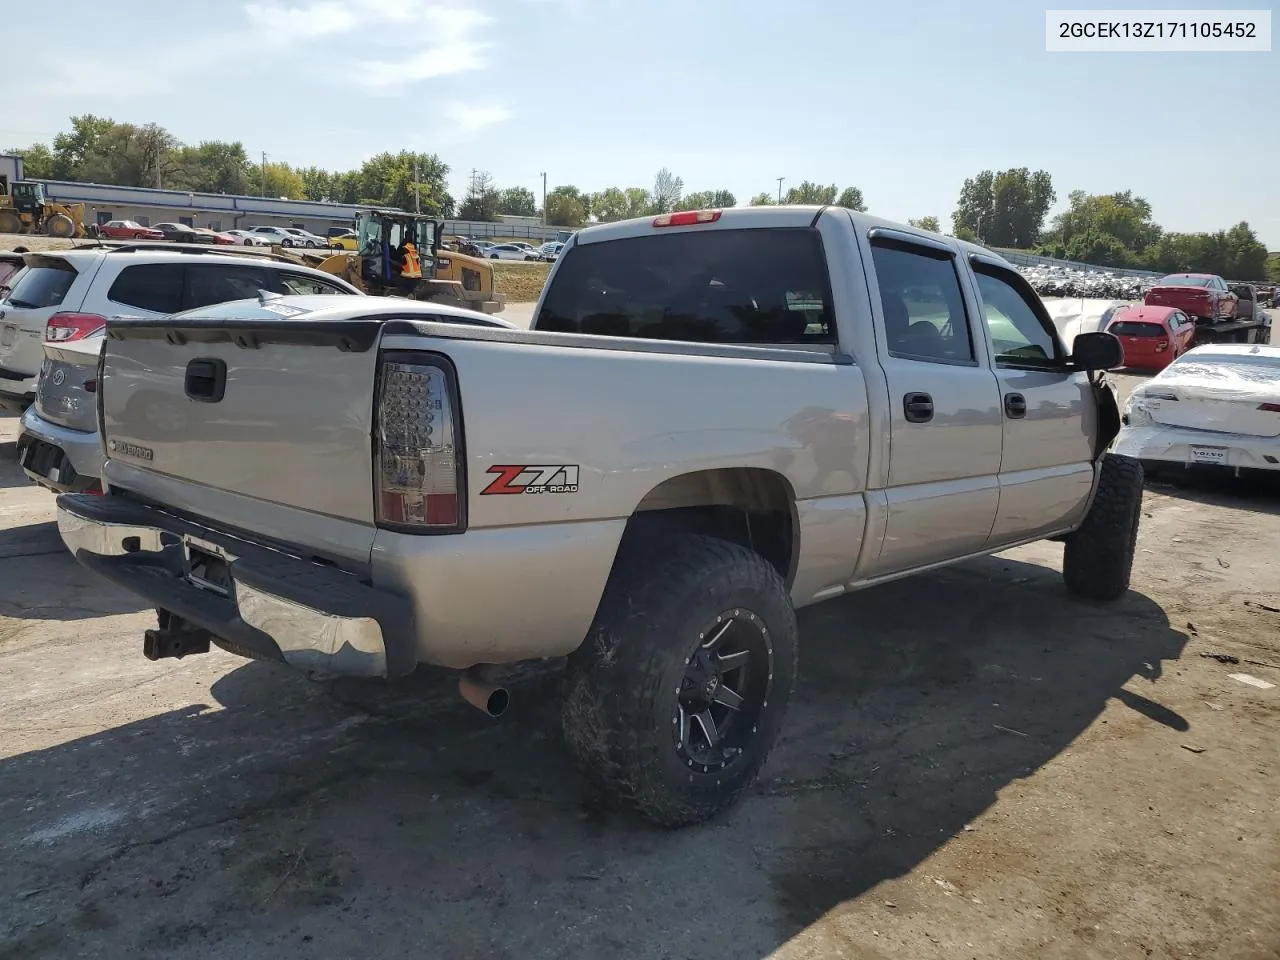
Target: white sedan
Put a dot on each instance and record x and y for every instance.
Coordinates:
(1217, 405)
(510, 251)
(246, 239)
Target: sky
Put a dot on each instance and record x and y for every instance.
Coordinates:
(903, 100)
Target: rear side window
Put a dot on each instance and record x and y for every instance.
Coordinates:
(43, 285)
(1135, 328)
(209, 283)
(156, 287)
(924, 312)
(717, 286)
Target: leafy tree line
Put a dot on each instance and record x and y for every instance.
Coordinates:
(1008, 208)
(1004, 208)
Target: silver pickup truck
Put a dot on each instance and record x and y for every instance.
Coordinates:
(716, 418)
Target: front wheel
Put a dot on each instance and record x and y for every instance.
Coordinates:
(675, 698)
(1098, 559)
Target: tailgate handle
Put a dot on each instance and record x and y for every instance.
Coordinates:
(206, 379)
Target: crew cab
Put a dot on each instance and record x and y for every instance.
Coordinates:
(716, 418)
(1203, 296)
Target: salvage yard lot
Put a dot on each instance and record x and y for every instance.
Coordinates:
(974, 765)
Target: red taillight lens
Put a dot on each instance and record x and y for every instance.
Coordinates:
(73, 326)
(418, 465)
(1270, 407)
(686, 218)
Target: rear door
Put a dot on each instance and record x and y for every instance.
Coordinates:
(1047, 411)
(945, 426)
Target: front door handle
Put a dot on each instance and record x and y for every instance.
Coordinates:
(1015, 406)
(918, 407)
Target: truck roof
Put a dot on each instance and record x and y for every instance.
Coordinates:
(786, 215)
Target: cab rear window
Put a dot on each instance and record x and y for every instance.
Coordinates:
(746, 286)
(43, 285)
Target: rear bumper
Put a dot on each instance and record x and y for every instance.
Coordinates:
(80, 450)
(311, 616)
(1199, 447)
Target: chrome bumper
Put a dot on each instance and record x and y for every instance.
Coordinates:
(264, 596)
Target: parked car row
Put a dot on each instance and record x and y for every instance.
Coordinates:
(186, 233)
(515, 250)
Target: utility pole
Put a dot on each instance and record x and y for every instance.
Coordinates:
(417, 192)
(780, 179)
(264, 173)
(544, 198)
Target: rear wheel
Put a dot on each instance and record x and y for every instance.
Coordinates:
(1098, 559)
(10, 222)
(676, 697)
(60, 225)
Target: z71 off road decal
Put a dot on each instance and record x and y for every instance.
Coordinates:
(533, 478)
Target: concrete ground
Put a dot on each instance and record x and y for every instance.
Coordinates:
(974, 765)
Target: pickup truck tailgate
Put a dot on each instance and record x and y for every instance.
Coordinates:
(226, 420)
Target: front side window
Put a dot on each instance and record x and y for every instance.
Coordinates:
(209, 284)
(924, 313)
(1018, 334)
(744, 286)
(155, 287)
(298, 284)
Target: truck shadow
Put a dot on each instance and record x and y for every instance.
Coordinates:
(344, 811)
(1257, 491)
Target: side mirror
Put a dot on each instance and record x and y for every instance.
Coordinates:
(1097, 351)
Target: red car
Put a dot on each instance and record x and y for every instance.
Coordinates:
(1199, 295)
(224, 239)
(127, 230)
(1152, 337)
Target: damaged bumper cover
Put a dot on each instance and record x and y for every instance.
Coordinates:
(1199, 447)
(309, 615)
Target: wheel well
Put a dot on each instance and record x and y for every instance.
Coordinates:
(751, 507)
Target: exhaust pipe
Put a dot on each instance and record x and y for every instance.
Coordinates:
(490, 698)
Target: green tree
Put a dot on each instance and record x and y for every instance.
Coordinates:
(667, 190)
(481, 201)
(808, 193)
(281, 181)
(1005, 209)
(565, 208)
(38, 161)
(1120, 215)
(517, 202)
(213, 167)
(609, 205)
(73, 147)
(1273, 267)
(927, 223)
(639, 202)
(133, 156)
(851, 199)
(761, 200)
(707, 200)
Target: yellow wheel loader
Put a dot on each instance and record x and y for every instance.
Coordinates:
(375, 265)
(25, 209)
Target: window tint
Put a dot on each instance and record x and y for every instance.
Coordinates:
(1017, 333)
(924, 312)
(713, 286)
(208, 283)
(156, 287)
(44, 285)
(1136, 328)
(293, 283)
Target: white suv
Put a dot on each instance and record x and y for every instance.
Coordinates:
(55, 317)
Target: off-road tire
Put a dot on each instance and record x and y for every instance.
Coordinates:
(619, 700)
(1098, 558)
(60, 225)
(10, 222)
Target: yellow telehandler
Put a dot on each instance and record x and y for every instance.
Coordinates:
(25, 209)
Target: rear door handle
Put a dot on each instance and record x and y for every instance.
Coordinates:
(1015, 406)
(917, 407)
(206, 379)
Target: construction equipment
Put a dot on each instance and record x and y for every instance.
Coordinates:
(375, 265)
(26, 209)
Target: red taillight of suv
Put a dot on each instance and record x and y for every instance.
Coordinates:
(418, 460)
(73, 326)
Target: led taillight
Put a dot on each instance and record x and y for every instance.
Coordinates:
(418, 461)
(686, 218)
(73, 326)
